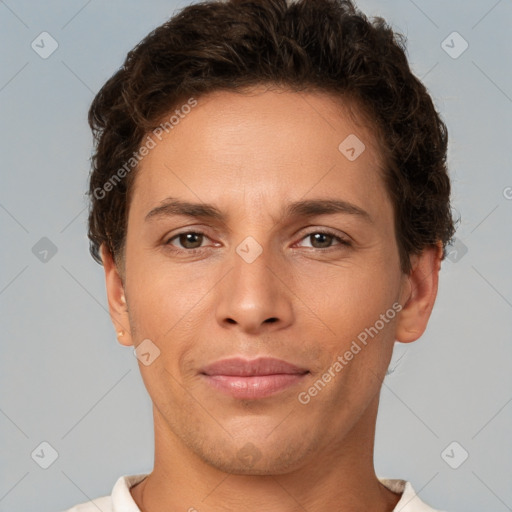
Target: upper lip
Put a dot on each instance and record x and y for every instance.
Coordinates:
(238, 366)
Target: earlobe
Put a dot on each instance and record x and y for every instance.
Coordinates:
(116, 298)
(420, 291)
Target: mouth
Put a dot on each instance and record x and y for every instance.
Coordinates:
(252, 379)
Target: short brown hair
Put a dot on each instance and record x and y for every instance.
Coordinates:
(320, 45)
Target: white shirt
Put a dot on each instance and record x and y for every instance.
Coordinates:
(121, 500)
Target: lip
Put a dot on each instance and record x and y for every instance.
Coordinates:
(252, 379)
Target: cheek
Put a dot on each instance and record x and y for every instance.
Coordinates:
(169, 306)
(358, 309)
(349, 298)
(161, 291)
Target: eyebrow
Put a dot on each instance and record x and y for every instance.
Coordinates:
(305, 208)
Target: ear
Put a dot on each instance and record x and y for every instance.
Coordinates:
(116, 298)
(419, 293)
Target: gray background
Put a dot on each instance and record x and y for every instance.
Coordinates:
(65, 379)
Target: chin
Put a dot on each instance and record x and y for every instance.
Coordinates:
(259, 459)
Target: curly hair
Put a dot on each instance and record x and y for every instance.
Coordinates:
(302, 45)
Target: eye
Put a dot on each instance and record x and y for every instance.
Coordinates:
(324, 239)
(189, 240)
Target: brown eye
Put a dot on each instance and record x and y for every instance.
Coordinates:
(189, 240)
(324, 240)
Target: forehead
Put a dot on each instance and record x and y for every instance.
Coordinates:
(259, 144)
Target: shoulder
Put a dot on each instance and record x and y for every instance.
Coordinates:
(120, 499)
(409, 501)
(104, 504)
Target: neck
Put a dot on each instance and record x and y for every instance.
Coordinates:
(338, 478)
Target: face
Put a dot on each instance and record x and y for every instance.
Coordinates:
(290, 254)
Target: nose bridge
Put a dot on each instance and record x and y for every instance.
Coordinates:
(252, 262)
(253, 295)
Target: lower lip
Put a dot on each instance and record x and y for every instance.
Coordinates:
(254, 387)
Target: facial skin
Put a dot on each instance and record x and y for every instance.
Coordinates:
(304, 299)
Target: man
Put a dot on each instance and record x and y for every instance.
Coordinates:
(270, 202)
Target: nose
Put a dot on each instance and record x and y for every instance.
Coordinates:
(254, 296)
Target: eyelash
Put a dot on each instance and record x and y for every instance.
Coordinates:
(342, 241)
